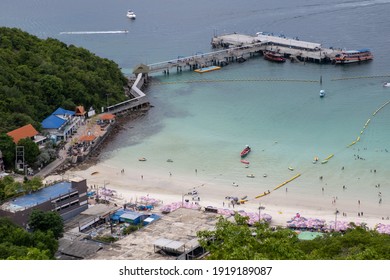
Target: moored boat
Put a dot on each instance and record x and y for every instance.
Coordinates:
(245, 162)
(322, 93)
(245, 151)
(353, 56)
(207, 69)
(273, 56)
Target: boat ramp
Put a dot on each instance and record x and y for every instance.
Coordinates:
(240, 47)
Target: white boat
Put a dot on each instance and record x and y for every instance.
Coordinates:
(130, 14)
(386, 84)
(322, 93)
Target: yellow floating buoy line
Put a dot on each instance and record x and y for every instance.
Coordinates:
(279, 186)
(367, 123)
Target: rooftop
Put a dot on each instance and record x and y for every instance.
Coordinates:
(179, 227)
(36, 198)
(26, 131)
(53, 121)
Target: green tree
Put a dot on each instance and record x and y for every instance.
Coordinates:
(7, 147)
(31, 150)
(18, 244)
(47, 221)
(33, 184)
(235, 240)
(9, 187)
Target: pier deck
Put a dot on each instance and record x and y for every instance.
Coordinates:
(239, 47)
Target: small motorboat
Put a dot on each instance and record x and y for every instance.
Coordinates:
(387, 84)
(290, 168)
(235, 184)
(131, 15)
(322, 93)
(315, 160)
(142, 159)
(169, 160)
(245, 151)
(244, 161)
(250, 176)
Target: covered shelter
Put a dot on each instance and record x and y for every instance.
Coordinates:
(169, 246)
(141, 69)
(87, 138)
(80, 111)
(107, 117)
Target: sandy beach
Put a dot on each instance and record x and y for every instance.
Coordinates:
(282, 204)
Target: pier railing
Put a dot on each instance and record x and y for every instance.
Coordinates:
(206, 59)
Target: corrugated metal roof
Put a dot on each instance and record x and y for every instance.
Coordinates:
(288, 42)
(52, 121)
(62, 111)
(130, 215)
(168, 244)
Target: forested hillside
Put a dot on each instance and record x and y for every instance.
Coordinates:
(37, 76)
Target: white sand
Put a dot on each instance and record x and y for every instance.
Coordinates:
(282, 205)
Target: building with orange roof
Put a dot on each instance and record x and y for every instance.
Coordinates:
(80, 111)
(27, 131)
(107, 117)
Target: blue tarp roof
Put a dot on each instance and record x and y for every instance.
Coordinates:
(52, 121)
(62, 111)
(40, 196)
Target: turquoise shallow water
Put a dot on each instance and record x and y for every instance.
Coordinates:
(205, 125)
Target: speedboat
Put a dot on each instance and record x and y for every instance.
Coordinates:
(245, 151)
(130, 14)
(322, 93)
(386, 84)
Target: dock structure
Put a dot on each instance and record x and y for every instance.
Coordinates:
(291, 48)
(137, 101)
(201, 60)
(239, 47)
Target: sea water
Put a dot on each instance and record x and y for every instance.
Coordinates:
(275, 108)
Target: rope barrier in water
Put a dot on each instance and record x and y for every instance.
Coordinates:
(360, 77)
(236, 80)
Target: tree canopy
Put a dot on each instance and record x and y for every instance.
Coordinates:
(47, 221)
(37, 76)
(236, 241)
(18, 244)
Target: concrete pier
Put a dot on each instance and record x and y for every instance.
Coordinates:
(239, 47)
(291, 48)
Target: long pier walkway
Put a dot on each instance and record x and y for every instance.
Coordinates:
(200, 60)
(239, 47)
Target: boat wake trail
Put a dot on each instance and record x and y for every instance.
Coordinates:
(93, 32)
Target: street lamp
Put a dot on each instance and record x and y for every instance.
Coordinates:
(260, 208)
(182, 199)
(335, 219)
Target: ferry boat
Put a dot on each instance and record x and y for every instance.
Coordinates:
(130, 14)
(273, 56)
(353, 56)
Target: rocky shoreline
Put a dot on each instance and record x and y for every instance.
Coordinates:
(94, 156)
